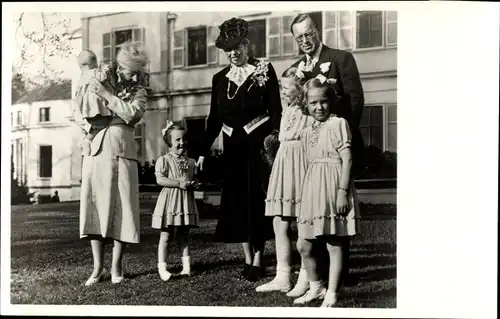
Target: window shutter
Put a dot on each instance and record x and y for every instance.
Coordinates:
(106, 47)
(391, 28)
(274, 35)
(330, 29)
(212, 54)
(138, 35)
(345, 27)
(288, 44)
(178, 49)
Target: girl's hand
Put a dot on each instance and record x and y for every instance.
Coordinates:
(342, 203)
(99, 89)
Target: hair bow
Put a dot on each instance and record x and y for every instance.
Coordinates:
(169, 124)
(323, 79)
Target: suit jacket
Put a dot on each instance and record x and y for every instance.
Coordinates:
(119, 128)
(344, 69)
(249, 102)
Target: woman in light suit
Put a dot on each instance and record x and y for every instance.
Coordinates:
(109, 203)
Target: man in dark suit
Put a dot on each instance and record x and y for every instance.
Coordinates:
(341, 66)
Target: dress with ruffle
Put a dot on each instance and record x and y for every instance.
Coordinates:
(289, 167)
(175, 206)
(318, 215)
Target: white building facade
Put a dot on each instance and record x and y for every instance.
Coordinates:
(44, 143)
(183, 59)
(44, 138)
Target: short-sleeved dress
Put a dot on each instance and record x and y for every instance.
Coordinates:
(290, 165)
(175, 206)
(318, 216)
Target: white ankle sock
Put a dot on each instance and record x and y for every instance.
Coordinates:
(162, 266)
(315, 285)
(283, 273)
(162, 270)
(186, 265)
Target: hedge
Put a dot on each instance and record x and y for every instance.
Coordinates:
(379, 166)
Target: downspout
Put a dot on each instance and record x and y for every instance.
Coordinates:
(170, 33)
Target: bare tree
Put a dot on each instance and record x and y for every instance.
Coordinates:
(42, 38)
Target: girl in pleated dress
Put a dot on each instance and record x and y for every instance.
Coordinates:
(285, 184)
(329, 205)
(176, 207)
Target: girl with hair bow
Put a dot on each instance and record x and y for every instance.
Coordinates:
(176, 208)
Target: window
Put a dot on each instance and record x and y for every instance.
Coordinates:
(45, 163)
(257, 37)
(338, 29)
(44, 115)
(391, 28)
(19, 118)
(392, 128)
(197, 46)
(195, 127)
(139, 139)
(113, 41)
(369, 29)
(371, 126)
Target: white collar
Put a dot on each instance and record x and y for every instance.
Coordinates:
(239, 74)
(315, 57)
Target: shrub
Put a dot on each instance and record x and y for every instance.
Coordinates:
(19, 192)
(378, 164)
(210, 176)
(147, 173)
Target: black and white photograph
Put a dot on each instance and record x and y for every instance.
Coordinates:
(200, 158)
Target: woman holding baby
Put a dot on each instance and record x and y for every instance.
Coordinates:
(107, 108)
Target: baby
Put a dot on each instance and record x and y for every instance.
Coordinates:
(89, 104)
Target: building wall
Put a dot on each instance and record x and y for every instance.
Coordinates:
(59, 133)
(182, 93)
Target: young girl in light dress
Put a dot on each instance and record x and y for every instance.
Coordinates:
(176, 207)
(285, 184)
(329, 205)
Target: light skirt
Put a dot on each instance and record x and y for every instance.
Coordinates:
(285, 182)
(175, 207)
(109, 202)
(318, 212)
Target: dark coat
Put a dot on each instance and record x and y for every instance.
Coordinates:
(245, 177)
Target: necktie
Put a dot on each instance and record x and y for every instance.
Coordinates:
(310, 63)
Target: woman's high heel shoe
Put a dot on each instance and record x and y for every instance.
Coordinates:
(245, 271)
(94, 280)
(117, 279)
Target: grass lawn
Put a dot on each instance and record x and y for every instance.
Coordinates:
(50, 263)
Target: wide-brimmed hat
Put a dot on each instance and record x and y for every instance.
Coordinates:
(231, 33)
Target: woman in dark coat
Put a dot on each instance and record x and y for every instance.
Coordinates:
(246, 106)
